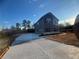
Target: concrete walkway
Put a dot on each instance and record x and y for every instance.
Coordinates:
(42, 48)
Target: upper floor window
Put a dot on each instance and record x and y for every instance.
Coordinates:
(48, 20)
(38, 23)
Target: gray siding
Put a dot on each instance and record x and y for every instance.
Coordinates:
(48, 23)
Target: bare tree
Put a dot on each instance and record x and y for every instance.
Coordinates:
(17, 26)
(67, 24)
(24, 24)
(12, 27)
(61, 27)
(28, 24)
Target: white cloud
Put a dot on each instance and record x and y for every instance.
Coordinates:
(34, 15)
(41, 6)
(70, 20)
(31, 1)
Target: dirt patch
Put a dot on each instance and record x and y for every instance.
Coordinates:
(66, 38)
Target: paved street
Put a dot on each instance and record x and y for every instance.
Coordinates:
(35, 47)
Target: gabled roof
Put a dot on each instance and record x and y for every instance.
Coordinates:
(77, 19)
(47, 14)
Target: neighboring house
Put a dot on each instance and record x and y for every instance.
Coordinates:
(76, 26)
(47, 23)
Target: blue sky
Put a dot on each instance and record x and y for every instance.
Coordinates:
(12, 11)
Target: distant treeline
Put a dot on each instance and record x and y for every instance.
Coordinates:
(66, 28)
(24, 27)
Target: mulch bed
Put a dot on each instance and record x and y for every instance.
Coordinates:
(66, 38)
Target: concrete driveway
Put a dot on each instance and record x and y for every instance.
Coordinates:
(41, 48)
(25, 38)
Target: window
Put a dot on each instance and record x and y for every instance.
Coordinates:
(48, 20)
(38, 23)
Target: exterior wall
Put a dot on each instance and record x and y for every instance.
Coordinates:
(39, 28)
(76, 26)
(47, 23)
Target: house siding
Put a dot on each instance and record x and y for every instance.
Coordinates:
(47, 23)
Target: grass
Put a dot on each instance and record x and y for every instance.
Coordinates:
(66, 38)
(5, 42)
